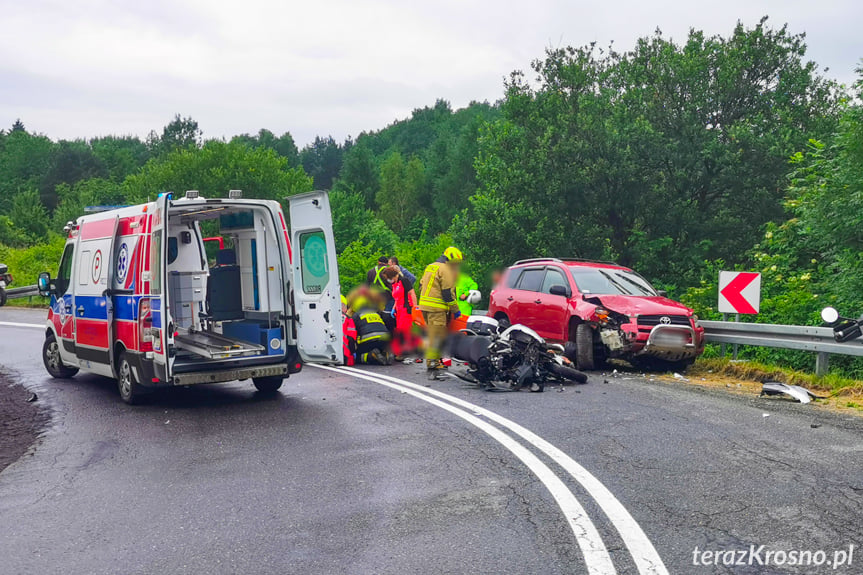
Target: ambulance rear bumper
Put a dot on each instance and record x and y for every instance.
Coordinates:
(194, 378)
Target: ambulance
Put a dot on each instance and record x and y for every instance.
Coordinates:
(195, 290)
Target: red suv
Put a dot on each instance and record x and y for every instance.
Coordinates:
(600, 310)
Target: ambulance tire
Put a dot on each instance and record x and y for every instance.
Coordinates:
(127, 385)
(51, 358)
(268, 384)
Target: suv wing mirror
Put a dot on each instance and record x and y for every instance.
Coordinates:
(560, 290)
(44, 284)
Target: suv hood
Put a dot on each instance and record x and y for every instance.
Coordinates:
(643, 305)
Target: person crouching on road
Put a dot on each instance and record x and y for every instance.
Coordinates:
(401, 288)
(438, 302)
(373, 337)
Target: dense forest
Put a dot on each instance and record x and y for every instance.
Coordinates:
(675, 158)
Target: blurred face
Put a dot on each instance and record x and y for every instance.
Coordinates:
(394, 264)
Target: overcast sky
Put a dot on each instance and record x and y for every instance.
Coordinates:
(82, 68)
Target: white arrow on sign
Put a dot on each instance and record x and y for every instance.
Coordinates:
(739, 292)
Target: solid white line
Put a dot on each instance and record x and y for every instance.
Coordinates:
(643, 552)
(17, 324)
(596, 557)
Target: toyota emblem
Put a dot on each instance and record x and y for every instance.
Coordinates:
(665, 320)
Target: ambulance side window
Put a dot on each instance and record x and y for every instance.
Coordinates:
(156, 263)
(61, 283)
(313, 258)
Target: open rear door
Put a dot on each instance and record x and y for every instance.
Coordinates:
(316, 279)
(158, 278)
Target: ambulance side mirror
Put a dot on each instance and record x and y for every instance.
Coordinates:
(44, 284)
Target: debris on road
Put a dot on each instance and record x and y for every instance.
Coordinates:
(33, 397)
(801, 394)
(680, 377)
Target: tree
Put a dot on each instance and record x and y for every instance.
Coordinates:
(18, 126)
(401, 186)
(216, 168)
(120, 155)
(180, 133)
(283, 145)
(24, 160)
(660, 158)
(322, 160)
(70, 162)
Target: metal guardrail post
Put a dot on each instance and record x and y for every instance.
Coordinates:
(822, 363)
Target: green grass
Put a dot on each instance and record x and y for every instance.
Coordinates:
(832, 384)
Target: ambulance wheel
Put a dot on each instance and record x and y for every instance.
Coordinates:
(268, 384)
(51, 358)
(130, 389)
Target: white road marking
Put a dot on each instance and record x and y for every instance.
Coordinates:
(643, 552)
(17, 324)
(596, 557)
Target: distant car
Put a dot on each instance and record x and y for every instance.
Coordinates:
(600, 311)
(5, 281)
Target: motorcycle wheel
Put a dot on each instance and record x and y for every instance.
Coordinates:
(568, 373)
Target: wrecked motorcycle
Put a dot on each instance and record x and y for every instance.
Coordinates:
(510, 358)
(844, 328)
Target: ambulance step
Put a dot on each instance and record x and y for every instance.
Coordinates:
(215, 346)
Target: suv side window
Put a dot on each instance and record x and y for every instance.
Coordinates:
(553, 277)
(64, 274)
(531, 279)
(513, 277)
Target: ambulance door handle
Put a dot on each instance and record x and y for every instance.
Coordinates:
(80, 310)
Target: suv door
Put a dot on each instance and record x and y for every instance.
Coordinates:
(316, 287)
(526, 297)
(553, 309)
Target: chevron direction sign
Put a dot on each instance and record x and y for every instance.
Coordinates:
(739, 292)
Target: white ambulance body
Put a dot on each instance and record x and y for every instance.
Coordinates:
(142, 296)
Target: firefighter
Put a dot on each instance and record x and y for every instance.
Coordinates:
(438, 303)
(373, 337)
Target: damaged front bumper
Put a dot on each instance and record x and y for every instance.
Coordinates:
(672, 343)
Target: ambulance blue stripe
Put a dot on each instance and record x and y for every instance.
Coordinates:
(125, 307)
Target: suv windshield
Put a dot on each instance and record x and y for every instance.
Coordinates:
(604, 281)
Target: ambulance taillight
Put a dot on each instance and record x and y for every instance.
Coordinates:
(145, 325)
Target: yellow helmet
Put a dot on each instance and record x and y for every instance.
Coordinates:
(453, 254)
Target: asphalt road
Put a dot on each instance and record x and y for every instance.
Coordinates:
(349, 473)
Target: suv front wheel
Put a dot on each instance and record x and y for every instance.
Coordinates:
(584, 352)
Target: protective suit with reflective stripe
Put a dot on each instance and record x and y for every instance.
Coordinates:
(437, 287)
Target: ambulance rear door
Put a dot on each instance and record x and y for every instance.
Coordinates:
(162, 324)
(316, 293)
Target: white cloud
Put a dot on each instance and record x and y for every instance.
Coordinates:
(89, 67)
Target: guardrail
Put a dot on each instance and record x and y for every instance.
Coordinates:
(800, 337)
(25, 291)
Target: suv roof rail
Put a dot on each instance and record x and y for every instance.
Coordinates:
(583, 260)
(533, 260)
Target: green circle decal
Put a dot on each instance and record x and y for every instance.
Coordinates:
(315, 256)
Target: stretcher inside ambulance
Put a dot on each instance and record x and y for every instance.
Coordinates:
(142, 297)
